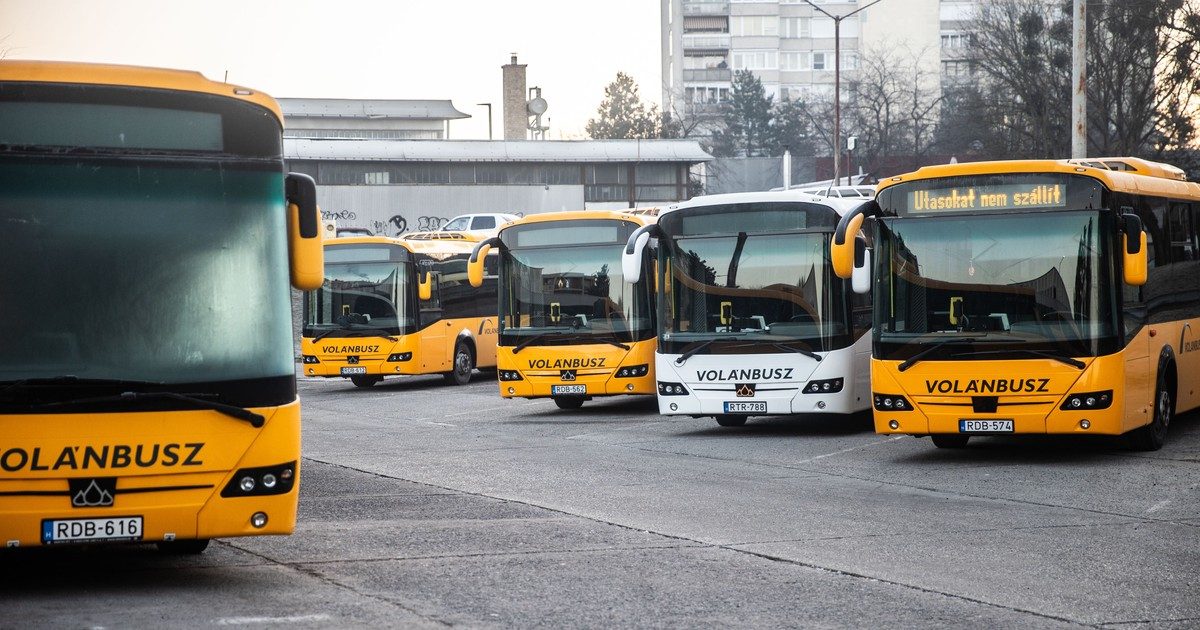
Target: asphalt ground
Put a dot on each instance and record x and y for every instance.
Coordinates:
(428, 505)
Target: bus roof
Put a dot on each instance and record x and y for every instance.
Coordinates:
(841, 206)
(431, 247)
(134, 76)
(582, 215)
(1122, 174)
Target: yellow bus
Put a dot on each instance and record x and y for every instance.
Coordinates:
(392, 307)
(571, 327)
(147, 381)
(1032, 297)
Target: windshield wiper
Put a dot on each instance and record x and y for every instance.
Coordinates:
(358, 332)
(808, 353)
(916, 358)
(254, 419)
(1075, 363)
(681, 359)
(580, 336)
(69, 379)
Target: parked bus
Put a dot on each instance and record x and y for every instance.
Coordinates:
(391, 307)
(751, 319)
(147, 381)
(572, 328)
(1034, 297)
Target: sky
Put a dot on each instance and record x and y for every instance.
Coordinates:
(402, 49)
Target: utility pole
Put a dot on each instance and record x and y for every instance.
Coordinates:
(837, 80)
(1079, 80)
(489, 107)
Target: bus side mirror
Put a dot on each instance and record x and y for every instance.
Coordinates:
(860, 278)
(424, 285)
(842, 254)
(631, 258)
(305, 253)
(475, 262)
(1134, 261)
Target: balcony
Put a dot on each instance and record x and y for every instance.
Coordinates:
(708, 74)
(706, 41)
(705, 8)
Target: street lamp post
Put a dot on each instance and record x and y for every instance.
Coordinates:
(489, 106)
(837, 80)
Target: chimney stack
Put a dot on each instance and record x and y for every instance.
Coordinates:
(516, 117)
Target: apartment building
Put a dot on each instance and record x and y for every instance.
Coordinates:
(790, 44)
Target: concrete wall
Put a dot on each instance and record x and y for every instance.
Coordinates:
(393, 209)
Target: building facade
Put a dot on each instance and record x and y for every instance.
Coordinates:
(396, 186)
(789, 44)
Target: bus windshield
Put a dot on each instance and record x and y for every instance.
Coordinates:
(367, 295)
(1034, 281)
(563, 293)
(762, 290)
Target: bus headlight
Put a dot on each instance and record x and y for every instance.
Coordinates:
(509, 375)
(632, 371)
(1088, 401)
(891, 402)
(397, 357)
(826, 386)
(671, 389)
(264, 480)
(308, 358)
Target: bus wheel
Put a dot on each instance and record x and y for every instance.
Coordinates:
(1152, 436)
(949, 440)
(464, 364)
(365, 381)
(183, 547)
(568, 402)
(731, 421)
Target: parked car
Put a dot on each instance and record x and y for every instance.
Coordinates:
(485, 224)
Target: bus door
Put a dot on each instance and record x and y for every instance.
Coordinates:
(435, 357)
(1181, 225)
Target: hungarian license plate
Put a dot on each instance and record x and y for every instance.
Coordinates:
(82, 530)
(354, 370)
(985, 426)
(555, 390)
(745, 407)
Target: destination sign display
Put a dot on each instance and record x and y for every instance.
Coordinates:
(992, 197)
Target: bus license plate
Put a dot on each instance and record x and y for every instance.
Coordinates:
(354, 370)
(82, 530)
(745, 407)
(555, 390)
(985, 426)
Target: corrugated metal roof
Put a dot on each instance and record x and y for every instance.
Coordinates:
(370, 108)
(362, 150)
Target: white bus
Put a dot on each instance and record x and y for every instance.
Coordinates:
(752, 320)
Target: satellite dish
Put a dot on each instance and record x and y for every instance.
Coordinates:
(537, 106)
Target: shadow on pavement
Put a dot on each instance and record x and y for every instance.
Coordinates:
(799, 425)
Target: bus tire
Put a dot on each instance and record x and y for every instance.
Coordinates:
(728, 420)
(568, 402)
(183, 547)
(366, 380)
(464, 364)
(1152, 436)
(949, 440)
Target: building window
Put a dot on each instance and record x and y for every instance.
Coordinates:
(955, 40)
(795, 60)
(822, 61)
(706, 62)
(796, 27)
(957, 68)
(756, 60)
(606, 182)
(754, 25)
(377, 178)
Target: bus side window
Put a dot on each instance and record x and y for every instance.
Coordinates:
(431, 309)
(1179, 221)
